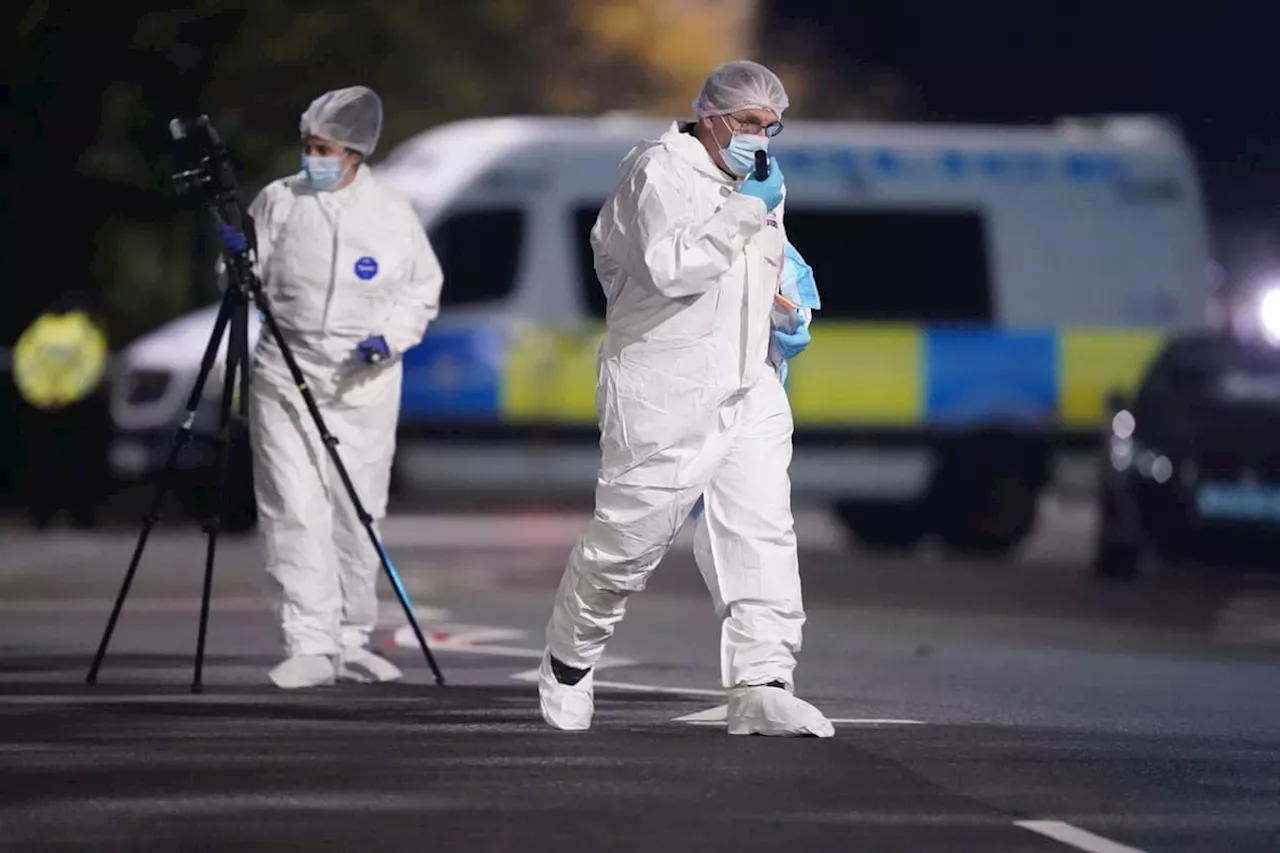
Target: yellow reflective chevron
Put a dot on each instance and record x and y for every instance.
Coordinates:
(550, 374)
(865, 375)
(59, 360)
(1092, 362)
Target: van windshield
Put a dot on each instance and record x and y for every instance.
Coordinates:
(889, 265)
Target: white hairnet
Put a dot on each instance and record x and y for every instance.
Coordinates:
(351, 117)
(738, 86)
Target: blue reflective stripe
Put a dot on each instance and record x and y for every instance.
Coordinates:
(454, 374)
(1017, 166)
(975, 375)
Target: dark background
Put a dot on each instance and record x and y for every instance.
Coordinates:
(85, 159)
(87, 96)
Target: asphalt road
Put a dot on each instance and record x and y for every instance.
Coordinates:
(979, 707)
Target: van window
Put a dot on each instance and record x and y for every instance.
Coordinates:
(896, 265)
(870, 265)
(479, 251)
(584, 219)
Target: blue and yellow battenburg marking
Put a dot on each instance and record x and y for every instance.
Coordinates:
(854, 374)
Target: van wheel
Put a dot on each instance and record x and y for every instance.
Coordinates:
(1116, 561)
(986, 495)
(883, 526)
(990, 522)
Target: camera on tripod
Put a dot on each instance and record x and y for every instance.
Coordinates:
(212, 180)
(200, 180)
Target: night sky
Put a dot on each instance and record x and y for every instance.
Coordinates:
(1211, 69)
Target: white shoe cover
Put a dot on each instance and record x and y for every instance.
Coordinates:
(303, 671)
(362, 665)
(566, 706)
(774, 711)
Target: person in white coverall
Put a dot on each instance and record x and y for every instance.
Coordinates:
(689, 250)
(352, 281)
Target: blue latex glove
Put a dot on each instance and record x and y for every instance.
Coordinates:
(374, 350)
(232, 238)
(782, 374)
(769, 190)
(791, 345)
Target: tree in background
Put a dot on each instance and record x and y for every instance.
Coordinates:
(480, 58)
(94, 102)
(825, 84)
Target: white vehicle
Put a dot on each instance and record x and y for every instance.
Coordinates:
(983, 288)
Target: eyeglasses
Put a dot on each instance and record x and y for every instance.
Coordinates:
(754, 127)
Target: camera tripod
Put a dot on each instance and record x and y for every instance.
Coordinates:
(215, 180)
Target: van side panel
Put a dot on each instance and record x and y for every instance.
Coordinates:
(1094, 251)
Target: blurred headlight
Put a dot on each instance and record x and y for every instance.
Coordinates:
(1269, 313)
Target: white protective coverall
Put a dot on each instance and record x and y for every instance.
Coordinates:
(338, 267)
(688, 407)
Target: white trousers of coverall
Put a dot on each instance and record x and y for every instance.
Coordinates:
(746, 547)
(317, 550)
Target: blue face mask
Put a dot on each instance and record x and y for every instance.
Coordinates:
(740, 156)
(323, 173)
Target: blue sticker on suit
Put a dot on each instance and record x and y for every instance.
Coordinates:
(366, 268)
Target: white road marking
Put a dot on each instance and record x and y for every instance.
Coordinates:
(391, 612)
(650, 688)
(532, 675)
(481, 640)
(463, 639)
(471, 635)
(1073, 836)
(474, 641)
(720, 714)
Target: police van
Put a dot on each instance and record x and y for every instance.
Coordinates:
(983, 288)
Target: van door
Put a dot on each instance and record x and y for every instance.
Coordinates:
(556, 359)
(486, 243)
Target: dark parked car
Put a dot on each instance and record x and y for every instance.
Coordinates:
(1190, 467)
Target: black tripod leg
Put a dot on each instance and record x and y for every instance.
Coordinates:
(237, 347)
(153, 514)
(331, 443)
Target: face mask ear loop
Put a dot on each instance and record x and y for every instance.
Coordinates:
(725, 122)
